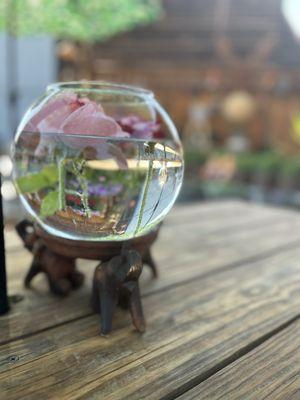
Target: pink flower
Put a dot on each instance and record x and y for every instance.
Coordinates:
(51, 115)
(141, 129)
(69, 114)
(89, 120)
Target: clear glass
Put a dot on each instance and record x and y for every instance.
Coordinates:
(97, 161)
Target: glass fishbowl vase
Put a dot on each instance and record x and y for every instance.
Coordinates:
(97, 161)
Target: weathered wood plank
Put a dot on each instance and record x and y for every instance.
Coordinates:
(222, 219)
(207, 213)
(18, 259)
(192, 327)
(204, 212)
(197, 254)
(270, 371)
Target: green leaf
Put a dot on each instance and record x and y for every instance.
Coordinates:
(50, 204)
(51, 173)
(32, 183)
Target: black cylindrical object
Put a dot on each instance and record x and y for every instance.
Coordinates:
(4, 306)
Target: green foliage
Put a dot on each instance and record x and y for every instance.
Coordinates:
(50, 172)
(84, 20)
(246, 163)
(50, 204)
(291, 168)
(32, 183)
(265, 162)
(195, 157)
(269, 162)
(215, 190)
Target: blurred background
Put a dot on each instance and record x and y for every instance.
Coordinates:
(227, 71)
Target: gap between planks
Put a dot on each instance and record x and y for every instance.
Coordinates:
(222, 268)
(270, 371)
(263, 325)
(178, 392)
(166, 286)
(249, 260)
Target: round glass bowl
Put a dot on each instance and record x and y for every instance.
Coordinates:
(97, 161)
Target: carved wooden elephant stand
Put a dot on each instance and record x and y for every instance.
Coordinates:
(116, 277)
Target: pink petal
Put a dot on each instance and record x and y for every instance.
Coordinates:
(54, 121)
(89, 120)
(60, 101)
(85, 100)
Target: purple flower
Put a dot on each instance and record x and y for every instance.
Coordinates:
(100, 190)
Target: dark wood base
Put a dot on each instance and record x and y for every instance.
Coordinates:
(60, 270)
(115, 278)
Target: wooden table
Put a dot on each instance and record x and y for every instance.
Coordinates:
(223, 318)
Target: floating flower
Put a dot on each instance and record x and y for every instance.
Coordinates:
(74, 116)
(141, 129)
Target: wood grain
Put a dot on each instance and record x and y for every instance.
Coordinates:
(192, 327)
(232, 287)
(199, 252)
(270, 371)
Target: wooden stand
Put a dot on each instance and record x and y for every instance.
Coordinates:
(115, 278)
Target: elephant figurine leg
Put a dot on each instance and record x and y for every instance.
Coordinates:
(148, 259)
(34, 269)
(136, 309)
(116, 281)
(61, 272)
(105, 296)
(76, 278)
